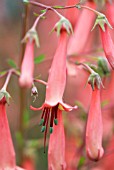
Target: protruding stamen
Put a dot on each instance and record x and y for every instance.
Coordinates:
(51, 129)
(41, 122)
(52, 116)
(48, 112)
(55, 121)
(43, 129)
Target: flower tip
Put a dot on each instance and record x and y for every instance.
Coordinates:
(95, 156)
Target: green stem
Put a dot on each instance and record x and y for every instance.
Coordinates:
(23, 91)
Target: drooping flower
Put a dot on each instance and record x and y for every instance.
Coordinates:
(94, 130)
(108, 45)
(78, 40)
(107, 42)
(27, 67)
(7, 153)
(55, 87)
(56, 156)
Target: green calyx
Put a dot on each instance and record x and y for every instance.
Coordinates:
(101, 20)
(4, 94)
(32, 35)
(63, 23)
(95, 80)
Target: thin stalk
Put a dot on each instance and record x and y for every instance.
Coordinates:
(23, 92)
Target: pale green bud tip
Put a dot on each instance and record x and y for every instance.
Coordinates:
(26, 1)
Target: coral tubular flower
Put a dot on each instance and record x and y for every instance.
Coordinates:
(56, 156)
(55, 87)
(27, 67)
(108, 45)
(7, 154)
(94, 129)
(78, 40)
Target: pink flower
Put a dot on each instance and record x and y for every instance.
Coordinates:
(7, 154)
(94, 129)
(82, 30)
(108, 45)
(55, 87)
(27, 67)
(56, 156)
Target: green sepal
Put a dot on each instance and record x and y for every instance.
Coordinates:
(63, 23)
(101, 20)
(95, 80)
(31, 35)
(4, 93)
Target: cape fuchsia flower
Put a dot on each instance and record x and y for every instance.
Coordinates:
(94, 130)
(107, 42)
(27, 67)
(108, 45)
(78, 40)
(55, 87)
(56, 157)
(7, 153)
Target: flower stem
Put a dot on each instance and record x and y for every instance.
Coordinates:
(37, 20)
(7, 79)
(23, 92)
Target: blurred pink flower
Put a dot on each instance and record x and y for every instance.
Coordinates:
(94, 129)
(7, 154)
(108, 45)
(27, 67)
(78, 41)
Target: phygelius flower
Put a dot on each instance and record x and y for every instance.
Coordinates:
(54, 105)
(27, 67)
(55, 86)
(108, 45)
(7, 153)
(82, 30)
(107, 42)
(94, 130)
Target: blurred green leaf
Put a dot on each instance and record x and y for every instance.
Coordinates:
(39, 59)
(2, 73)
(12, 63)
(81, 162)
(104, 103)
(19, 138)
(26, 118)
